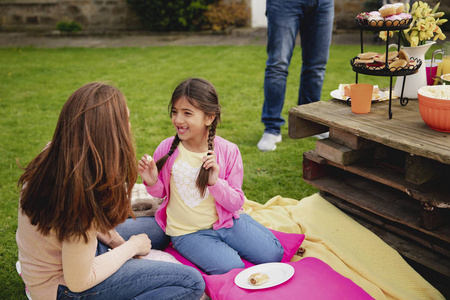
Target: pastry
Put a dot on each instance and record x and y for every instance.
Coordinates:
(363, 16)
(363, 61)
(375, 19)
(346, 91)
(391, 56)
(399, 7)
(402, 54)
(394, 66)
(393, 20)
(388, 10)
(258, 278)
(367, 55)
(396, 20)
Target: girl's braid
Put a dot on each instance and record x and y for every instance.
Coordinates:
(162, 161)
(174, 145)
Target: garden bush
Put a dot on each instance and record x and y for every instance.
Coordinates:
(221, 16)
(69, 26)
(173, 15)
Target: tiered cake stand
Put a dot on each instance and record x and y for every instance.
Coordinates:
(411, 68)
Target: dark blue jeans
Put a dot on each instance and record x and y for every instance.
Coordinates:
(285, 18)
(142, 278)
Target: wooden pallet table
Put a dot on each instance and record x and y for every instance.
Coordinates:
(391, 175)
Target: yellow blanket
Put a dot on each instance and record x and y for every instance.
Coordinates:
(345, 245)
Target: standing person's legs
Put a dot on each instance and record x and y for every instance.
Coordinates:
(146, 225)
(144, 279)
(282, 28)
(315, 34)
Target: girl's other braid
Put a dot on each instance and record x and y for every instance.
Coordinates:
(211, 135)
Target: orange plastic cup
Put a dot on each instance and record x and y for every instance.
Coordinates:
(361, 98)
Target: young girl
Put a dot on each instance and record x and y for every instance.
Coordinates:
(200, 175)
(77, 190)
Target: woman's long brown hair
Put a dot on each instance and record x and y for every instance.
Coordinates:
(84, 177)
(201, 94)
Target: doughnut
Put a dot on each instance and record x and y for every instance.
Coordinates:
(393, 20)
(404, 17)
(387, 10)
(363, 16)
(374, 19)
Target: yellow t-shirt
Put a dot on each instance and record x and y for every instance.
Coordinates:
(188, 211)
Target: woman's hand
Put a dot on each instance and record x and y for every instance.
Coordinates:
(141, 243)
(210, 163)
(148, 170)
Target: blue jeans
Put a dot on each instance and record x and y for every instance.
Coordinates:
(285, 18)
(219, 251)
(142, 278)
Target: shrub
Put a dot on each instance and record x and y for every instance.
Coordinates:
(69, 26)
(173, 15)
(221, 16)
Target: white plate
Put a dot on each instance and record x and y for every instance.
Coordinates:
(277, 272)
(337, 95)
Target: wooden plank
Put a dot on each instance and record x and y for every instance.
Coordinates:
(312, 169)
(388, 204)
(405, 232)
(339, 153)
(435, 194)
(431, 217)
(406, 131)
(416, 252)
(300, 128)
(350, 140)
(420, 170)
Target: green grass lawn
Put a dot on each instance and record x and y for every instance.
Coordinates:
(35, 83)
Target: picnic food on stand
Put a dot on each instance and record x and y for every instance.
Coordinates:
(391, 9)
(388, 15)
(423, 27)
(258, 278)
(396, 60)
(388, 18)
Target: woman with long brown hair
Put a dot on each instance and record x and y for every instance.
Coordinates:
(74, 195)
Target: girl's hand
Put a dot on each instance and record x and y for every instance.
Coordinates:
(210, 163)
(148, 170)
(141, 243)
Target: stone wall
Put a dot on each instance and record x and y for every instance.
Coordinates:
(43, 15)
(116, 15)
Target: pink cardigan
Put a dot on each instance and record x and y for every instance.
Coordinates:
(227, 192)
